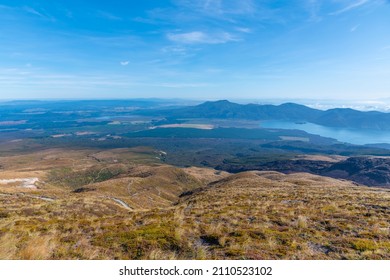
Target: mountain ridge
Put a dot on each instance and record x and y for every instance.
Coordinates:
(337, 117)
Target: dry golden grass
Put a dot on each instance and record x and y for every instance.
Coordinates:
(37, 248)
(205, 175)
(250, 215)
(8, 249)
(298, 216)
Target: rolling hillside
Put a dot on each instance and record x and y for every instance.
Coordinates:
(120, 204)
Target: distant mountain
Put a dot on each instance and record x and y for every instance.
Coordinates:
(223, 109)
(354, 119)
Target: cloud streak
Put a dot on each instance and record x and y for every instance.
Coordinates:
(32, 11)
(106, 15)
(313, 7)
(35, 12)
(354, 28)
(199, 37)
(217, 8)
(350, 7)
(243, 29)
(183, 85)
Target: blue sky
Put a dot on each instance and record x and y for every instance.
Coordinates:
(206, 49)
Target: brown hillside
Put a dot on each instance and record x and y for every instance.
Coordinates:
(251, 215)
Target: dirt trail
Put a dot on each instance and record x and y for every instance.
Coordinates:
(45, 198)
(121, 203)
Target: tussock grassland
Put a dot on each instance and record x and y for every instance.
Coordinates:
(189, 213)
(299, 216)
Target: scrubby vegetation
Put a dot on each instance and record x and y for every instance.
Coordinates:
(78, 178)
(251, 215)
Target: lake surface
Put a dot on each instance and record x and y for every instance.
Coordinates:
(353, 136)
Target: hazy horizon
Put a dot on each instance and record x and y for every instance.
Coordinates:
(320, 104)
(207, 50)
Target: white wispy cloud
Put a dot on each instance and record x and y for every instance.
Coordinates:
(243, 29)
(19, 78)
(354, 28)
(32, 11)
(40, 14)
(213, 6)
(228, 7)
(124, 63)
(178, 50)
(222, 10)
(350, 7)
(313, 7)
(199, 37)
(182, 85)
(107, 15)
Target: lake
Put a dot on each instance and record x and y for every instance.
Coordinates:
(353, 136)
